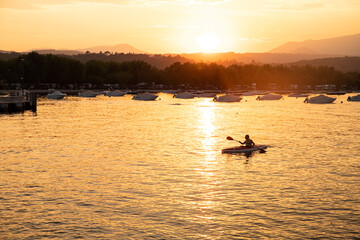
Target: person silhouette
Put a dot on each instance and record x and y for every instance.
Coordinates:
(248, 142)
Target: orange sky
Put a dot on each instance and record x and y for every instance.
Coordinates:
(178, 26)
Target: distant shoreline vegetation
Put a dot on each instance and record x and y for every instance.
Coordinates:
(38, 71)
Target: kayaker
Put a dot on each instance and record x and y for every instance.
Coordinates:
(248, 142)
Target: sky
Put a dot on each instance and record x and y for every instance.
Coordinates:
(177, 26)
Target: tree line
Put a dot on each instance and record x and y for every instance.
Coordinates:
(34, 70)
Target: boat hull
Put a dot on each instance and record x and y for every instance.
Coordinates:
(243, 149)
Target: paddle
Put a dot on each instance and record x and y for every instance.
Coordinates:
(231, 139)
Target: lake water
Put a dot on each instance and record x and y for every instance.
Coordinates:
(115, 168)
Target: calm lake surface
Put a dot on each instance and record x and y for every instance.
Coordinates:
(115, 168)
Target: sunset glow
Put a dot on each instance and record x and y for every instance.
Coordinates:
(177, 26)
(208, 42)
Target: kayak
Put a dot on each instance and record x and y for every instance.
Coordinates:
(243, 149)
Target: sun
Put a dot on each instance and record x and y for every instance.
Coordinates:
(207, 42)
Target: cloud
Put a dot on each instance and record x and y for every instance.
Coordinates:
(189, 2)
(259, 40)
(37, 4)
(160, 26)
(307, 5)
(292, 6)
(155, 26)
(29, 5)
(238, 5)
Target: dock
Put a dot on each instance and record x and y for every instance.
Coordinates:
(16, 104)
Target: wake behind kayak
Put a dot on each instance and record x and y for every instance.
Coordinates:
(243, 149)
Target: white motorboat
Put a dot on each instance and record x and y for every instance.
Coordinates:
(354, 98)
(115, 93)
(228, 98)
(206, 95)
(320, 99)
(250, 93)
(336, 93)
(269, 97)
(170, 91)
(184, 95)
(145, 97)
(87, 94)
(297, 95)
(56, 95)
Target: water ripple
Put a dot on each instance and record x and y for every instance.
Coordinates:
(121, 169)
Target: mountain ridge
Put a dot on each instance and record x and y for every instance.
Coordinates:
(343, 64)
(348, 45)
(329, 52)
(119, 48)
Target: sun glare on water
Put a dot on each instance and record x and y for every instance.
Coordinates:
(208, 42)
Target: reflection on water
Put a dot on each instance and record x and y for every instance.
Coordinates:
(113, 168)
(207, 128)
(209, 165)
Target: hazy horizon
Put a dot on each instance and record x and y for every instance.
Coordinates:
(179, 26)
(128, 48)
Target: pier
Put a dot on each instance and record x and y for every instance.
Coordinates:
(16, 104)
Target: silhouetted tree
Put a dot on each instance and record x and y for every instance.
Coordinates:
(38, 70)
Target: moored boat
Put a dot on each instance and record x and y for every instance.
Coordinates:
(87, 94)
(269, 97)
(184, 95)
(250, 93)
(320, 99)
(297, 95)
(145, 97)
(56, 95)
(228, 98)
(354, 98)
(206, 95)
(115, 93)
(336, 93)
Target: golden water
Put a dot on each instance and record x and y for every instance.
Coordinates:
(114, 168)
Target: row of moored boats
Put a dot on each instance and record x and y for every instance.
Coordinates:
(88, 94)
(320, 99)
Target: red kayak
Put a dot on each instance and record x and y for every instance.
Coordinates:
(243, 149)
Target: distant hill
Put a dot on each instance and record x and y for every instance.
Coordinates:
(5, 55)
(328, 52)
(344, 64)
(2, 51)
(120, 48)
(56, 52)
(343, 46)
(162, 61)
(257, 58)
